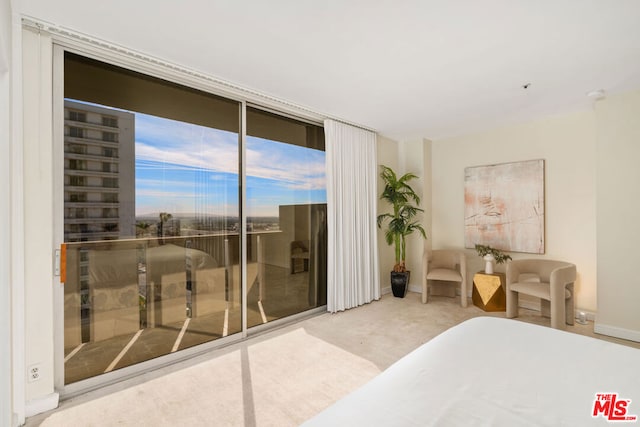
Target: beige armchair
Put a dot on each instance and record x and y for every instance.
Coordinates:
(551, 281)
(445, 265)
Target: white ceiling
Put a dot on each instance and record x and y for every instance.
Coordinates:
(406, 68)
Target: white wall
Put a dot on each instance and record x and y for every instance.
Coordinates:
(415, 157)
(567, 144)
(618, 154)
(38, 219)
(387, 152)
(6, 401)
(408, 156)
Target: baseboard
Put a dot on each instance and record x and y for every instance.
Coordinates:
(614, 331)
(42, 404)
(533, 304)
(415, 288)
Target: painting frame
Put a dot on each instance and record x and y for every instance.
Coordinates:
(504, 206)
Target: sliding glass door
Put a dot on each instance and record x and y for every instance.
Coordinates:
(286, 216)
(151, 218)
(153, 227)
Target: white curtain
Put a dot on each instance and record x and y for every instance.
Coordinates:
(352, 271)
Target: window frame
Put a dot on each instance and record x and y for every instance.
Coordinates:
(190, 79)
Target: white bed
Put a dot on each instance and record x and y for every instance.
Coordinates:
(494, 372)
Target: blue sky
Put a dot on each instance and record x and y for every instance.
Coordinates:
(185, 168)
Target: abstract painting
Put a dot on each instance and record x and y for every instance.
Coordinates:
(504, 206)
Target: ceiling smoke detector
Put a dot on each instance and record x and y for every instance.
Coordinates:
(596, 94)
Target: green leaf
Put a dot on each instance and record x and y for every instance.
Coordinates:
(404, 203)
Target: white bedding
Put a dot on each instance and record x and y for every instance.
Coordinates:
(495, 372)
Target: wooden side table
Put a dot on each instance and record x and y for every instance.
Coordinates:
(489, 291)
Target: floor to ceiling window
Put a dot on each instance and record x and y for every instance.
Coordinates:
(153, 221)
(286, 215)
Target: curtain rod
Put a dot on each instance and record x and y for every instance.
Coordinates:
(344, 122)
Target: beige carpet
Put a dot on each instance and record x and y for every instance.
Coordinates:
(280, 378)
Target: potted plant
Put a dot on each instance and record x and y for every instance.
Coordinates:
(401, 222)
(490, 255)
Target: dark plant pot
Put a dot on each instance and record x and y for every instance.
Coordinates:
(399, 283)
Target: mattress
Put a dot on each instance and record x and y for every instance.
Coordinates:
(498, 372)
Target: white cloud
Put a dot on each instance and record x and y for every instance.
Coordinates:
(183, 146)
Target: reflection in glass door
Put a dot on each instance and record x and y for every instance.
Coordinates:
(286, 217)
(151, 218)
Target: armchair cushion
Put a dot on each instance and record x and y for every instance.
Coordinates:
(444, 274)
(539, 290)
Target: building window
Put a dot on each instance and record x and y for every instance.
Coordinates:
(77, 116)
(110, 228)
(109, 152)
(110, 136)
(110, 182)
(76, 132)
(110, 121)
(109, 213)
(77, 197)
(75, 148)
(77, 181)
(110, 197)
(75, 164)
(77, 213)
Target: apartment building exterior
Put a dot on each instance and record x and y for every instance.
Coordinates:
(99, 172)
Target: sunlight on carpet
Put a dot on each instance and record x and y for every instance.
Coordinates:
(291, 377)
